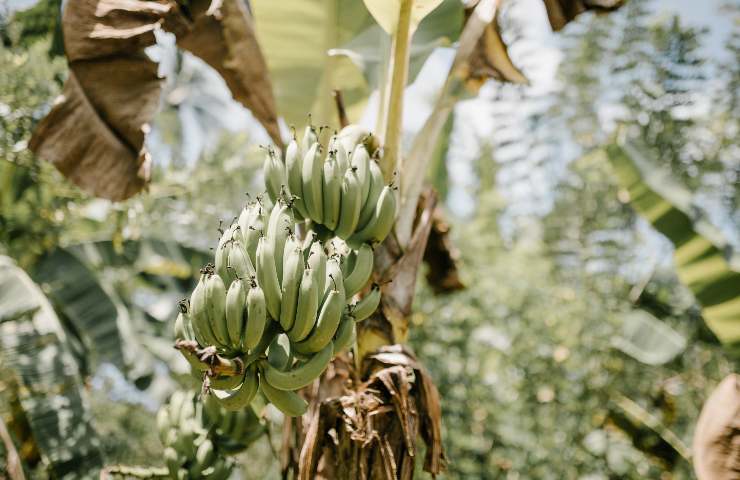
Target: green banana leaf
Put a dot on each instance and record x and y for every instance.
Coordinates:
(37, 363)
(699, 249)
(315, 46)
(295, 36)
(647, 339)
(368, 50)
(92, 317)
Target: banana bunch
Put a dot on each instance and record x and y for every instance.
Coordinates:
(197, 436)
(281, 305)
(307, 292)
(340, 188)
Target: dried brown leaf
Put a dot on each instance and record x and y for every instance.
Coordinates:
(560, 12)
(716, 446)
(94, 133)
(223, 36)
(490, 58)
(441, 257)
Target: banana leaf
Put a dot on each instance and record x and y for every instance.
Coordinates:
(702, 256)
(38, 366)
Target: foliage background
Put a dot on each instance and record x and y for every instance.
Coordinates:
(532, 384)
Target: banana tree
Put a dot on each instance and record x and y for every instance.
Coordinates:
(368, 410)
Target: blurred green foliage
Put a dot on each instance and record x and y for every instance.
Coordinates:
(532, 385)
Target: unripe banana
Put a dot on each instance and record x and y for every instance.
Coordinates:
(326, 326)
(334, 278)
(172, 460)
(294, 172)
(227, 382)
(301, 375)
(243, 396)
(290, 403)
(371, 202)
(312, 178)
(236, 302)
(310, 136)
(361, 272)
(361, 160)
(274, 172)
(240, 266)
(203, 458)
(163, 424)
(382, 222)
(332, 191)
(252, 226)
(278, 355)
(180, 333)
(279, 227)
(352, 135)
(199, 314)
(256, 317)
(216, 304)
(221, 470)
(222, 254)
(272, 329)
(367, 305)
(267, 277)
(340, 152)
(349, 213)
(345, 335)
(294, 266)
(317, 261)
(308, 304)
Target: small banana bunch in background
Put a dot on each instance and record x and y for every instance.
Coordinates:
(197, 436)
(279, 306)
(340, 189)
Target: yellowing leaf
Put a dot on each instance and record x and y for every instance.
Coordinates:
(296, 36)
(560, 12)
(385, 12)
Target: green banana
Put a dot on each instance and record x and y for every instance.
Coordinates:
(267, 277)
(279, 227)
(199, 314)
(256, 317)
(236, 302)
(326, 325)
(335, 279)
(272, 329)
(361, 272)
(252, 226)
(371, 201)
(345, 335)
(204, 456)
(340, 152)
(332, 191)
(352, 135)
(308, 304)
(274, 172)
(316, 260)
(241, 397)
(367, 305)
(380, 225)
(310, 136)
(216, 307)
(290, 403)
(221, 470)
(361, 160)
(240, 266)
(294, 168)
(291, 285)
(278, 354)
(163, 424)
(224, 382)
(180, 333)
(221, 258)
(172, 460)
(349, 212)
(312, 174)
(301, 375)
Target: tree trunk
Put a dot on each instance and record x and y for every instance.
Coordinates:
(371, 405)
